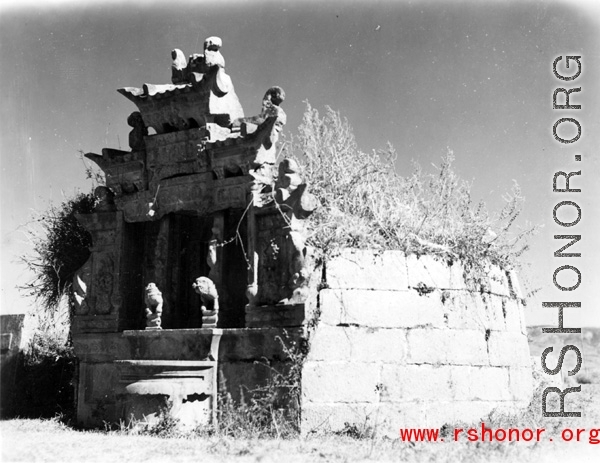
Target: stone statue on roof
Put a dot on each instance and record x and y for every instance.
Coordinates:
(191, 71)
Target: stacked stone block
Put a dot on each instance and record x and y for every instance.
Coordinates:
(404, 341)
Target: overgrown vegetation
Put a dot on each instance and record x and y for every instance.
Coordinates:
(271, 410)
(60, 247)
(366, 204)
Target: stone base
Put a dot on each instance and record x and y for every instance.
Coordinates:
(134, 375)
(275, 316)
(186, 389)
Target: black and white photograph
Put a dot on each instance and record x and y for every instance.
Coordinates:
(330, 231)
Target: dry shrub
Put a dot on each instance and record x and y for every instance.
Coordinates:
(366, 204)
(271, 410)
(60, 247)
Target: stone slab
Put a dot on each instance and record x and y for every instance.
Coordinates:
(248, 344)
(405, 383)
(513, 310)
(361, 269)
(514, 285)
(448, 347)
(328, 382)
(278, 316)
(498, 281)
(427, 270)
(508, 349)
(480, 383)
(357, 344)
(384, 309)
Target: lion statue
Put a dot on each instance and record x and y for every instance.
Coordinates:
(210, 301)
(154, 304)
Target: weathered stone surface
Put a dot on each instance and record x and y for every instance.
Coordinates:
(358, 269)
(188, 388)
(329, 382)
(508, 349)
(498, 281)
(495, 308)
(404, 383)
(512, 309)
(358, 344)
(473, 310)
(255, 344)
(273, 316)
(385, 309)
(427, 270)
(447, 347)
(458, 277)
(515, 285)
(96, 400)
(104, 293)
(192, 344)
(480, 383)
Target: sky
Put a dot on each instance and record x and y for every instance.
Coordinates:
(428, 76)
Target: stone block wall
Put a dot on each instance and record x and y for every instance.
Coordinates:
(404, 341)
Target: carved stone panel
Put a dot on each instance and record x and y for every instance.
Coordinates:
(102, 297)
(176, 154)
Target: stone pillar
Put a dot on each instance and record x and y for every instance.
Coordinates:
(102, 300)
(252, 251)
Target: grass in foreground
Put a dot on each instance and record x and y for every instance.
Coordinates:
(52, 440)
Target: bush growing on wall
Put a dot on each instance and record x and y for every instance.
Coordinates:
(60, 248)
(366, 204)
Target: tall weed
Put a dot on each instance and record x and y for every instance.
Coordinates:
(366, 204)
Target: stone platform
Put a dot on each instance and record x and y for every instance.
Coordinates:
(137, 373)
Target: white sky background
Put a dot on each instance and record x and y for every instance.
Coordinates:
(472, 76)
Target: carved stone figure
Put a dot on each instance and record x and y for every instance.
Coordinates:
(210, 301)
(139, 131)
(106, 199)
(288, 179)
(178, 67)
(212, 57)
(154, 304)
(270, 108)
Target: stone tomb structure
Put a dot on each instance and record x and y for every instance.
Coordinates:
(197, 231)
(199, 272)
